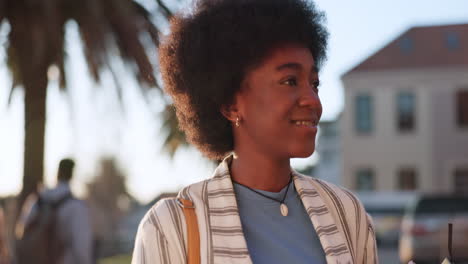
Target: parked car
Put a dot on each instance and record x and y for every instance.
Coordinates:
(387, 210)
(424, 236)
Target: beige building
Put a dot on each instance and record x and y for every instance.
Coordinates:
(405, 121)
(328, 149)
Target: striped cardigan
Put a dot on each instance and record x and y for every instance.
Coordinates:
(344, 228)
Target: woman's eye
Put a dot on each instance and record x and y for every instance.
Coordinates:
(315, 85)
(290, 82)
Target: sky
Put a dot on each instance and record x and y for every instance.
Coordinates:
(88, 124)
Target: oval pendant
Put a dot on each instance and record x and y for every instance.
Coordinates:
(284, 209)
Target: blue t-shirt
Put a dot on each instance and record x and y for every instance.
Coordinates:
(274, 238)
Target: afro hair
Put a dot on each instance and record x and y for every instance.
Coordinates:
(208, 51)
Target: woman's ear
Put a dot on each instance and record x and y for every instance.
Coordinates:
(230, 112)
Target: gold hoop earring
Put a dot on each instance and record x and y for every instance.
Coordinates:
(237, 122)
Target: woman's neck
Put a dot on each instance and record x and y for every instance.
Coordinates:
(260, 172)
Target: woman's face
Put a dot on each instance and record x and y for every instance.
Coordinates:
(279, 104)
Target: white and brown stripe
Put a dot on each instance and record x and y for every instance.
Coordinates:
(344, 229)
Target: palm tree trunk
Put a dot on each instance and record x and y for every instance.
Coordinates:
(29, 47)
(35, 86)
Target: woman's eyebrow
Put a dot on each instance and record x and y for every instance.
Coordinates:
(289, 65)
(294, 66)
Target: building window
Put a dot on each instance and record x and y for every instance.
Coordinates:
(452, 41)
(407, 179)
(462, 108)
(405, 111)
(461, 181)
(363, 113)
(365, 180)
(406, 45)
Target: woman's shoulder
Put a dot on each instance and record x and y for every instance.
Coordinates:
(168, 212)
(344, 205)
(160, 234)
(159, 213)
(335, 193)
(348, 212)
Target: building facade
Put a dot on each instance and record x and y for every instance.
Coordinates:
(329, 154)
(405, 122)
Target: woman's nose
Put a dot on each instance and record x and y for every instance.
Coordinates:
(310, 99)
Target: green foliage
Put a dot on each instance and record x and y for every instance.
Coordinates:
(120, 259)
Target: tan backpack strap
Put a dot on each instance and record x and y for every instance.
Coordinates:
(193, 234)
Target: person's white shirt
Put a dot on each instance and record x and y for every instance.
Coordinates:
(73, 225)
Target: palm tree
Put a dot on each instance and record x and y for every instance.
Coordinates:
(36, 42)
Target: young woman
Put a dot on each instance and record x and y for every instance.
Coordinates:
(243, 75)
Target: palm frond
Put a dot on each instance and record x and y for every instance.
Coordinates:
(167, 13)
(61, 66)
(10, 93)
(117, 84)
(11, 57)
(55, 21)
(175, 137)
(13, 66)
(127, 31)
(147, 24)
(93, 30)
(2, 10)
(105, 26)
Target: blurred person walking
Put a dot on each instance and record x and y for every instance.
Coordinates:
(57, 229)
(244, 77)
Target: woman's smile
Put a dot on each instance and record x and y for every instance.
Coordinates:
(305, 124)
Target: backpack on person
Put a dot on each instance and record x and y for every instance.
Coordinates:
(40, 243)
